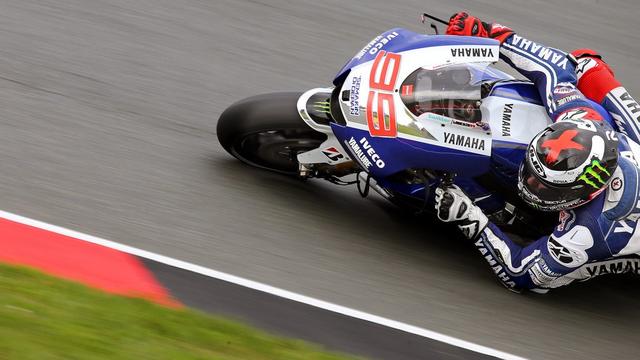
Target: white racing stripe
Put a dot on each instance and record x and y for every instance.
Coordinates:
(262, 287)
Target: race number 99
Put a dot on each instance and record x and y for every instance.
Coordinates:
(382, 80)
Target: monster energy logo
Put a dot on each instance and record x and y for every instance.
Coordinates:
(322, 106)
(593, 170)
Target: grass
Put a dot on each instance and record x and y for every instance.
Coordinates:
(42, 317)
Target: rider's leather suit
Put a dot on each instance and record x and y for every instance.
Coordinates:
(597, 238)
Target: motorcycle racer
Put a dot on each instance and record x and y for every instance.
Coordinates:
(579, 166)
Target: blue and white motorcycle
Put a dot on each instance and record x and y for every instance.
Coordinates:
(407, 112)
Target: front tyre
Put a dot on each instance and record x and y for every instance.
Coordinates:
(266, 131)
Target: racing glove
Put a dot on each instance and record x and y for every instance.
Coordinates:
(453, 205)
(467, 25)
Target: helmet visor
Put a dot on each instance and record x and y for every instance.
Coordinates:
(550, 197)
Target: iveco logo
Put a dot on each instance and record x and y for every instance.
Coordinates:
(368, 156)
(376, 44)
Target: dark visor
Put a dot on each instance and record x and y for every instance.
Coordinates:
(552, 194)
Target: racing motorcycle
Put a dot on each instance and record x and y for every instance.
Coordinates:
(408, 112)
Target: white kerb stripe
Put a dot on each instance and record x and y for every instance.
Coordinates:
(261, 287)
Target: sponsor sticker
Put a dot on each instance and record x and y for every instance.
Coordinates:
(555, 57)
(497, 266)
(616, 184)
(566, 219)
(376, 44)
(365, 153)
(464, 141)
(537, 167)
(614, 267)
(507, 111)
(333, 154)
(354, 96)
(559, 252)
(472, 52)
(631, 104)
(371, 152)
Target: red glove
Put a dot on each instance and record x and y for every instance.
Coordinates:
(467, 25)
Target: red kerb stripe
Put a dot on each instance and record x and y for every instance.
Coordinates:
(73, 259)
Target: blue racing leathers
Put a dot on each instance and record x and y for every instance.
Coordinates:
(596, 238)
(555, 74)
(597, 82)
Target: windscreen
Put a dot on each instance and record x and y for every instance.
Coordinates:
(452, 91)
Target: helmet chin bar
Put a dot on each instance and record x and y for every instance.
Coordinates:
(567, 165)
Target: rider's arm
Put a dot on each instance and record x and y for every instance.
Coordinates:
(546, 67)
(549, 69)
(546, 263)
(541, 265)
(597, 81)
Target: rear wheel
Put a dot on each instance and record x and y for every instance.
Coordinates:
(266, 131)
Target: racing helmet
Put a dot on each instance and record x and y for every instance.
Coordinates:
(568, 164)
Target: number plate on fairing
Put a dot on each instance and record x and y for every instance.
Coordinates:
(383, 96)
(417, 106)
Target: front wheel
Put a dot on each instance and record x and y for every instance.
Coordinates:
(266, 131)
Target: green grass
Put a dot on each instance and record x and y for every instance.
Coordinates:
(42, 317)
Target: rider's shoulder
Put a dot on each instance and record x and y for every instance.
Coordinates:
(622, 195)
(621, 199)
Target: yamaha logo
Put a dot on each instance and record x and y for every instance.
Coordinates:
(464, 141)
(472, 52)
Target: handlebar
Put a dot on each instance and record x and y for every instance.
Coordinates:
(425, 15)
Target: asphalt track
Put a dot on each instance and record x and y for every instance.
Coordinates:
(108, 127)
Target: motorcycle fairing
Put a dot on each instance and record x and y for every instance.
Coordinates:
(383, 156)
(517, 90)
(424, 138)
(399, 40)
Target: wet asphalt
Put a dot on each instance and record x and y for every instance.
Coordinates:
(109, 113)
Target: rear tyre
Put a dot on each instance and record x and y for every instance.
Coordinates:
(266, 131)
